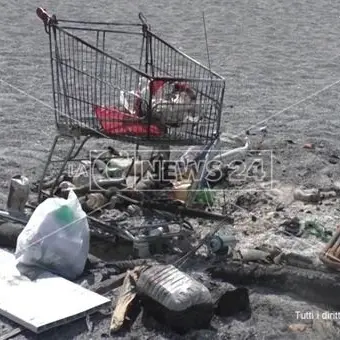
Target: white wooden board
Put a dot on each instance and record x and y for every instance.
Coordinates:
(46, 302)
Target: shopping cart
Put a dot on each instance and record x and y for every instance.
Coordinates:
(159, 97)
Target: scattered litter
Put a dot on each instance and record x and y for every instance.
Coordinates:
(330, 255)
(292, 227)
(89, 324)
(297, 327)
(56, 238)
(309, 146)
(11, 334)
(222, 244)
(126, 296)
(44, 303)
(19, 190)
(174, 298)
(314, 228)
(308, 195)
(252, 255)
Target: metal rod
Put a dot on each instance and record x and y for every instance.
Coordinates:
(206, 41)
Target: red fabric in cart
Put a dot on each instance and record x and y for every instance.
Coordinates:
(115, 122)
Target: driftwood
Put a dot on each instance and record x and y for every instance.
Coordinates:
(312, 285)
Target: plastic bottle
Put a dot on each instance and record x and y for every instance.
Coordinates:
(182, 302)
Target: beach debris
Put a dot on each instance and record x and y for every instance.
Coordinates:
(233, 302)
(328, 194)
(18, 195)
(107, 285)
(33, 303)
(292, 227)
(308, 146)
(95, 201)
(222, 244)
(174, 298)
(307, 195)
(314, 228)
(252, 255)
(141, 248)
(63, 189)
(330, 255)
(297, 327)
(127, 294)
(89, 324)
(80, 179)
(56, 238)
(11, 334)
(296, 260)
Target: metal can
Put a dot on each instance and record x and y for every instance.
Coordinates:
(222, 244)
(18, 194)
(141, 248)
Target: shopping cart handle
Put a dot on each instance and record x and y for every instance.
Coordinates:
(142, 18)
(43, 15)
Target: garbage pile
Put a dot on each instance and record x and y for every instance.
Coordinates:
(55, 236)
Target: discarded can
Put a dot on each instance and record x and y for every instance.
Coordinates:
(141, 248)
(222, 244)
(18, 194)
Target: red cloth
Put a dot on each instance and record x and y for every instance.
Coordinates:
(115, 122)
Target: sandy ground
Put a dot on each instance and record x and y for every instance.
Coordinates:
(275, 56)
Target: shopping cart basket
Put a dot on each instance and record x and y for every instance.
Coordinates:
(159, 96)
(167, 98)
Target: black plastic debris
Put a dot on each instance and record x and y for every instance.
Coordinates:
(234, 302)
(292, 227)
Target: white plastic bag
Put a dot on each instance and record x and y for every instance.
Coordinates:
(56, 238)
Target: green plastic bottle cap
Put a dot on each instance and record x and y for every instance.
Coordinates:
(64, 214)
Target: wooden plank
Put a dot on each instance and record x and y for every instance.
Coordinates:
(44, 303)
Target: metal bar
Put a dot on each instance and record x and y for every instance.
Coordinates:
(185, 55)
(6, 215)
(99, 23)
(94, 30)
(105, 54)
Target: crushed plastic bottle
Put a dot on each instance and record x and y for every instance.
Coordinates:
(180, 301)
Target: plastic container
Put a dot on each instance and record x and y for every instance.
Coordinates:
(18, 194)
(175, 298)
(56, 238)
